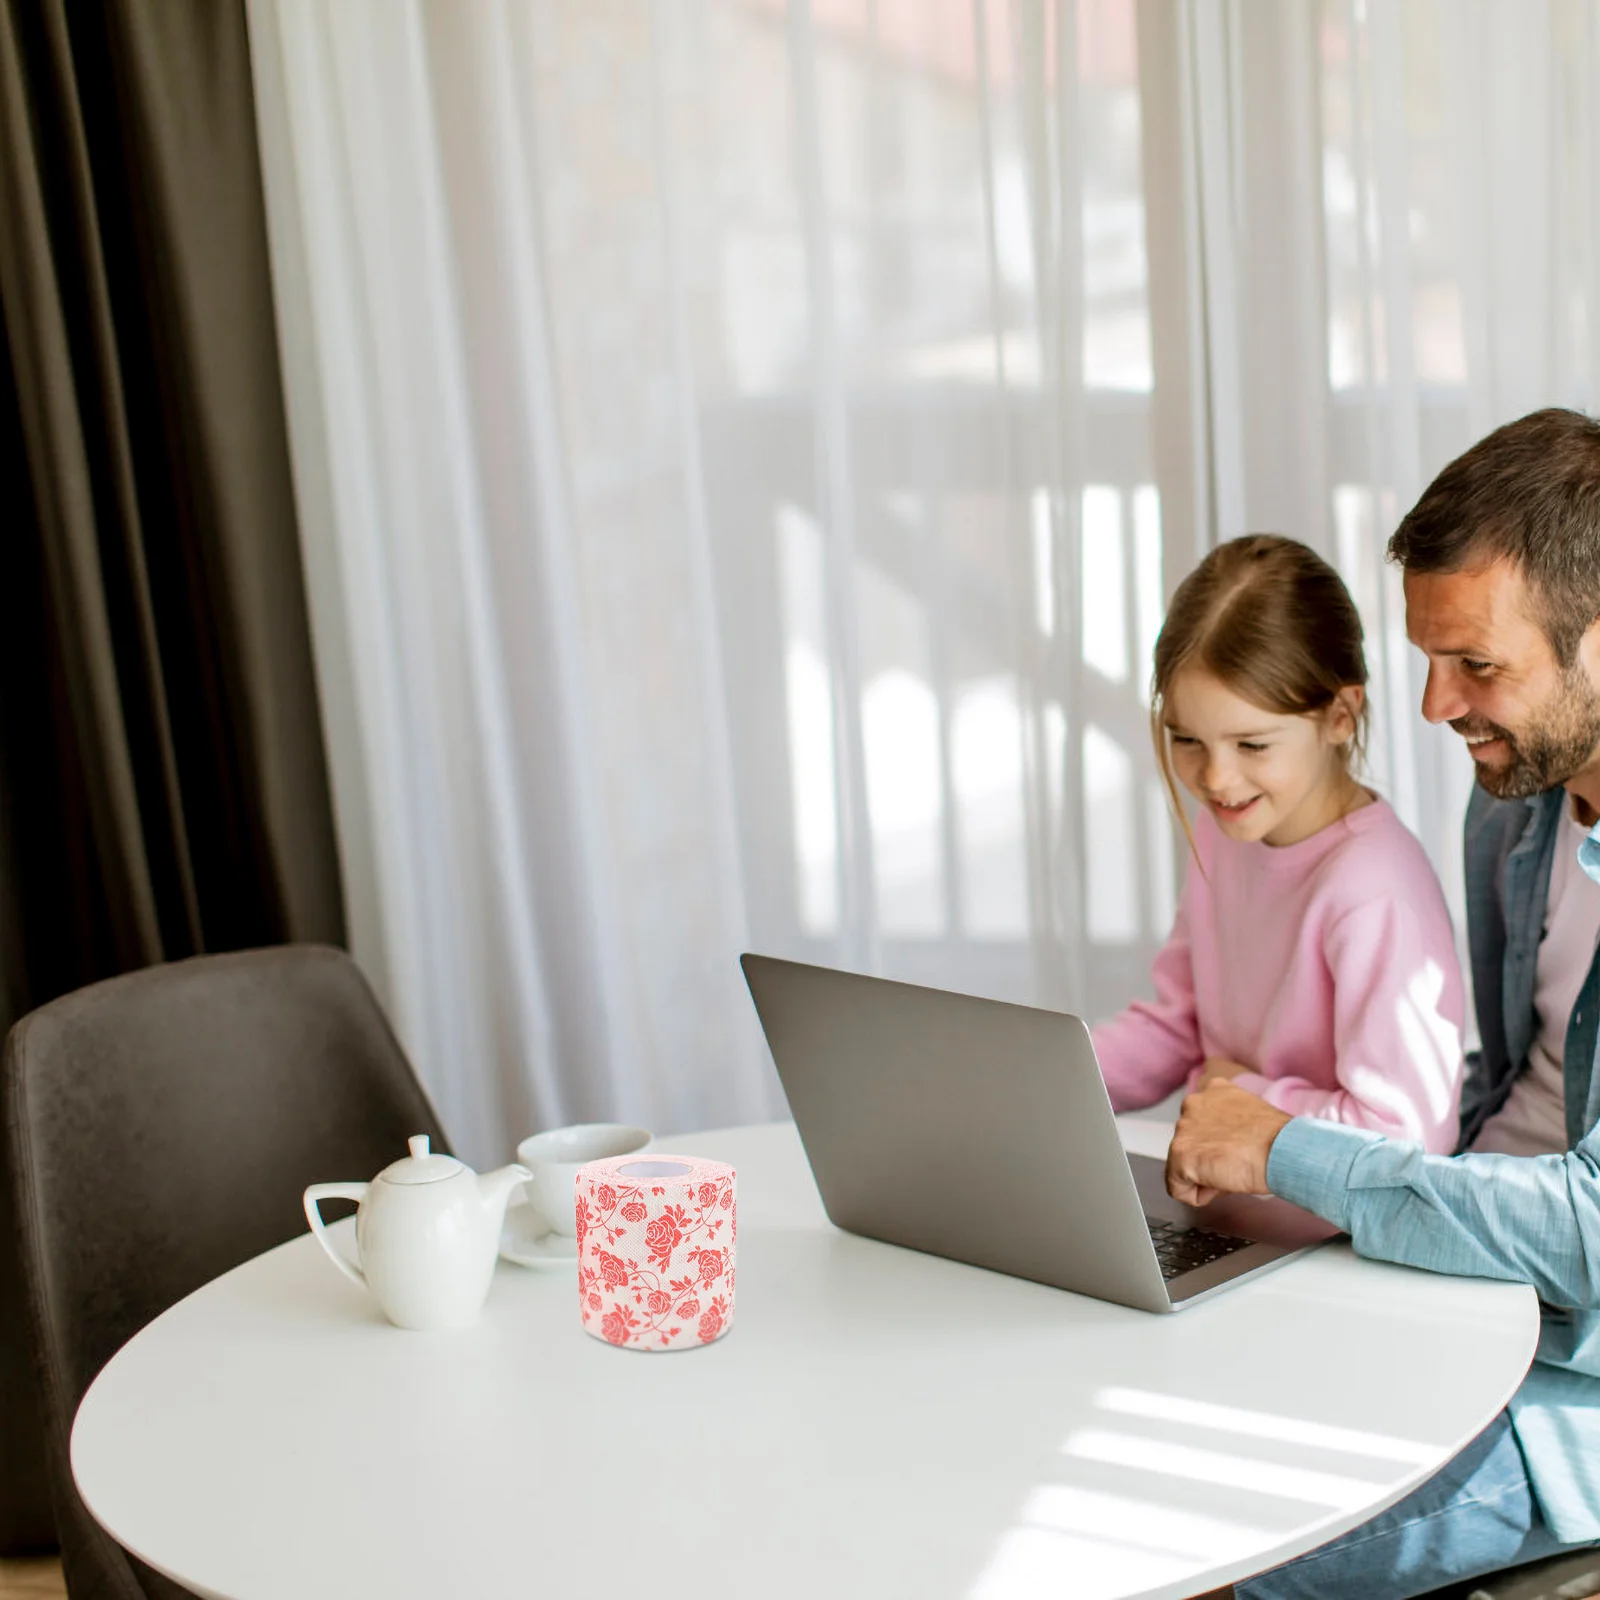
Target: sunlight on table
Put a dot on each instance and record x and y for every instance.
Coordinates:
(1150, 1490)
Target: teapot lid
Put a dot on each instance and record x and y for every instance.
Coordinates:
(420, 1166)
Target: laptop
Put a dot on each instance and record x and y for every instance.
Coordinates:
(982, 1131)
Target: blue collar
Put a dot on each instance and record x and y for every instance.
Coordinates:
(1589, 853)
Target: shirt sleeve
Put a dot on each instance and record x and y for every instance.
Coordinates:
(1149, 1050)
(1397, 1012)
(1526, 1219)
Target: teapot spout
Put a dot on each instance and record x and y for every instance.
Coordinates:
(496, 1188)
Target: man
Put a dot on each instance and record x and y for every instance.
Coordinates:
(1501, 561)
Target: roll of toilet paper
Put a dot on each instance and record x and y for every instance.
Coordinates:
(656, 1240)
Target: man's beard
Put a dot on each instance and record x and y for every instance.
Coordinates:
(1556, 746)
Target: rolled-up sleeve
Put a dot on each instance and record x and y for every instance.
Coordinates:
(1526, 1219)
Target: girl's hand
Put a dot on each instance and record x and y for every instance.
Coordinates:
(1218, 1067)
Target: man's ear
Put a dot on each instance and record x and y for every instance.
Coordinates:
(1343, 715)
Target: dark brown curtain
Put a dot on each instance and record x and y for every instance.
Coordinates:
(162, 782)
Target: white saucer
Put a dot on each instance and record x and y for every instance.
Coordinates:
(526, 1240)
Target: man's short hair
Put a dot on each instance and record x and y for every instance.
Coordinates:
(1530, 493)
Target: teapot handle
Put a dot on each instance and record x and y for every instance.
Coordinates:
(319, 1192)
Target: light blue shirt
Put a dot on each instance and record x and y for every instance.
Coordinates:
(1531, 1219)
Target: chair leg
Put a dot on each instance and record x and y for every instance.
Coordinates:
(1573, 1575)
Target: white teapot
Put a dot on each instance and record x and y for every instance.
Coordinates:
(427, 1233)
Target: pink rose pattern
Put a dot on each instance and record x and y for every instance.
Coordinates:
(655, 1261)
(713, 1321)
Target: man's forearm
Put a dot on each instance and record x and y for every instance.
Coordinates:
(1528, 1219)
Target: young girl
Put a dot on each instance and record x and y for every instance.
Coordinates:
(1312, 959)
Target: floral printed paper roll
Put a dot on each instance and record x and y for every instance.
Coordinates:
(655, 1250)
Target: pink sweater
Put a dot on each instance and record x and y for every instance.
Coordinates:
(1328, 966)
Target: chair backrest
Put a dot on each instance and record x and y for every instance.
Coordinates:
(161, 1127)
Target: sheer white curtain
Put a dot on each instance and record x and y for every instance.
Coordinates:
(1401, 204)
(743, 449)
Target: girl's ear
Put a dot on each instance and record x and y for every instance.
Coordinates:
(1343, 715)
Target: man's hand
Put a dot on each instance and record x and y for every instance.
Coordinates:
(1218, 1067)
(1221, 1143)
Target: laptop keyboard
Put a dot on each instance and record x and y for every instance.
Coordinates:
(1181, 1249)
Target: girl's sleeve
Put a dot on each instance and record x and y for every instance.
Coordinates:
(1398, 1009)
(1149, 1050)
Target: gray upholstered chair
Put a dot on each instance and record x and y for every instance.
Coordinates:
(1568, 1577)
(161, 1127)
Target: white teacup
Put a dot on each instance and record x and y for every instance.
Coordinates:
(553, 1157)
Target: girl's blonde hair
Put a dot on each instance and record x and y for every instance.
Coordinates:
(1272, 621)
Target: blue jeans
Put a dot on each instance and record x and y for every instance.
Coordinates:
(1475, 1515)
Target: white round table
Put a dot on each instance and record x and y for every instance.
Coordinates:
(877, 1423)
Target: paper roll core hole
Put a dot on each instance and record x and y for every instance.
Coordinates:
(654, 1169)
